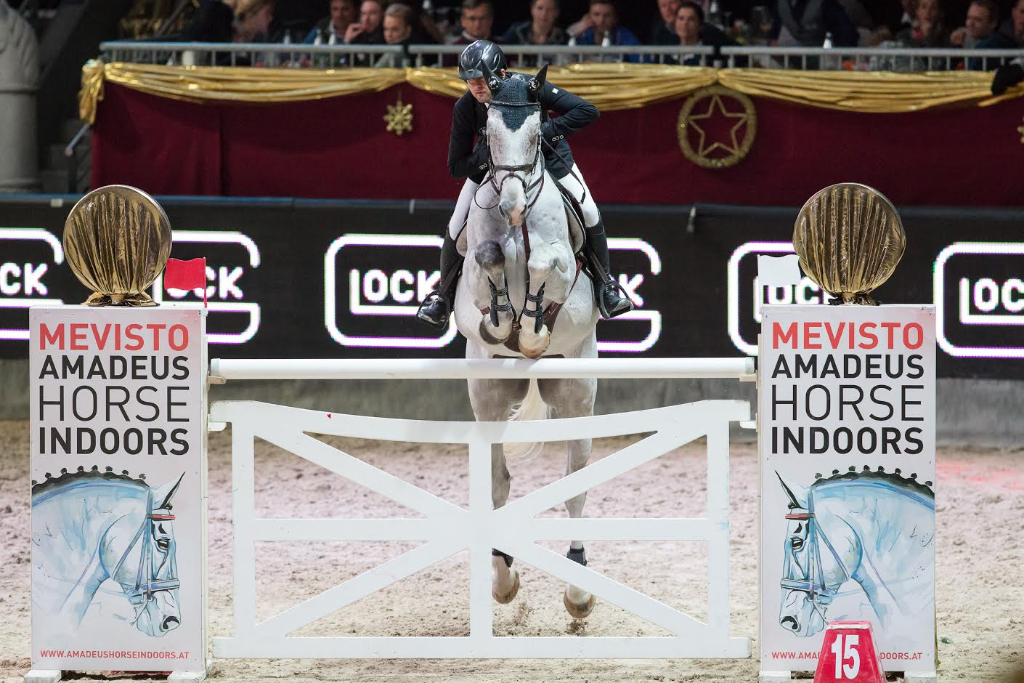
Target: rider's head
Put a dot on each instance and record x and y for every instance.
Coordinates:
(477, 60)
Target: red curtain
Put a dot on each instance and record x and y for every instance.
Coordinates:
(338, 148)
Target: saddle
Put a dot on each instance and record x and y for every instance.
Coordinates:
(573, 215)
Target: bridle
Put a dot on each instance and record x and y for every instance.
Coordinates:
(147, 583)
(811, 579)
(520, 172)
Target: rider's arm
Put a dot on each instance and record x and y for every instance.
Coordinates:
(575, 113)
(463, 159)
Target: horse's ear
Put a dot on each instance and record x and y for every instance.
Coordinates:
(164, 494)
(493, 81)
(538, 81)
(794, 502)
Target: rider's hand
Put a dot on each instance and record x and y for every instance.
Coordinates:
(1006, 76)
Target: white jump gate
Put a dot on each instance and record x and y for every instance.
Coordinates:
(448, 529)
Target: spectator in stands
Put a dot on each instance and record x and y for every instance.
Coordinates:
(980, 34)
(477, 22)
(370, 28)
(692, 30)
(808, 22)
(663, 31)
(398, 24)
(343, 15)
(1013, 26)
(927, 29)
(600, 26)
(252, 20)
(212, 23)
(541, 29)
(424, 28)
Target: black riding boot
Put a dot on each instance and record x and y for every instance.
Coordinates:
(437, 307)
(610, 299)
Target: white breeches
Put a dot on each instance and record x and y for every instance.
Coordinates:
(578, 188)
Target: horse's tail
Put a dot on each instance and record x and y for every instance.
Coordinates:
(531, 408)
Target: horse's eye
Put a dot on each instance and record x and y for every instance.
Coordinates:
(796, 543)
(163, 544)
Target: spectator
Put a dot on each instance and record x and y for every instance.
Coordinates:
(477, 21)
(663, 31)
(692, 30)
(398, 24)
(424, 28)
(807, 22)
(600, 26)
(370, 29)
(980, 34)
(343, 15)
(1013, 26)
(541, 30)
(927, 29)
(212, 23)
(252, 20)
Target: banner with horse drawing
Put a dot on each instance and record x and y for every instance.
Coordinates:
(118, 488)
(847, 443)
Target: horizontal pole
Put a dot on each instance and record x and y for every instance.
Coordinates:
(446, 368)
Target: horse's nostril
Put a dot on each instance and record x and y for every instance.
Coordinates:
(790, 623)
(170, 623)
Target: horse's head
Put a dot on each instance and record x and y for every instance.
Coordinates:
(810, 577)
(513, 135)
(142, 553)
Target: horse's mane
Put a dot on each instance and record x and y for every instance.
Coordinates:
(879, 475)
(65, 478)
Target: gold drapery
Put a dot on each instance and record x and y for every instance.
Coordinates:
(610, 87)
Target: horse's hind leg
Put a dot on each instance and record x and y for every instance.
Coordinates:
(574, 398)
(491, 401)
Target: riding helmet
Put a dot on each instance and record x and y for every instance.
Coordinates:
(478, 54)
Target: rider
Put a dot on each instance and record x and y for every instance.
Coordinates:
(466, 160)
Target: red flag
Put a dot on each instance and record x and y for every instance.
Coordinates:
(186, 275)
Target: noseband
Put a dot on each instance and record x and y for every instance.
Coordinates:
(812, 581)
(147, 583)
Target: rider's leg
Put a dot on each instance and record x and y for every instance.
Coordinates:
(437, 306)
(610, 300)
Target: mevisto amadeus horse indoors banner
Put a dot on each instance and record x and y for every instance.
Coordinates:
(847, 435)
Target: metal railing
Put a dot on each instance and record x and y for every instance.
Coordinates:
(341, 56)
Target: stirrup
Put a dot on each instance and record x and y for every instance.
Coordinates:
(438, 319)
(624, 305)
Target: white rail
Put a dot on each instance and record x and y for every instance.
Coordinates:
(432, 368)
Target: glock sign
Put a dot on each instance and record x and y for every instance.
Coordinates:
(28, 257)
(979, 299)
(231, 258)
(747, 294)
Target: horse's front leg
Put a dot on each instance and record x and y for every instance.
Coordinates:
(548, 267)
(573, 398)
(496, 326)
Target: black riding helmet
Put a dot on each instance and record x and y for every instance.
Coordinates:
(477, 55)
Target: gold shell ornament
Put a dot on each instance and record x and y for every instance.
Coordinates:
(849, 238)
(117, 240)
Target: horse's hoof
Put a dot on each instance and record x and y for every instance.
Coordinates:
(504, 599)
(579, 611)
(532, 353)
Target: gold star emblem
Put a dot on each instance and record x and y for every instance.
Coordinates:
(1020, 129)
(399, 118)
(739, 112)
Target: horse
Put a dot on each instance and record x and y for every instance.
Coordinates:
(90, 526)
(871, 527)
(519, 249)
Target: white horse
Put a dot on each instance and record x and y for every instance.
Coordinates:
(521, 277)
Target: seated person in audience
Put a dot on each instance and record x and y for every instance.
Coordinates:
(541, 29)
(212, 23)
(806, 23)
(691, 30)
(980, 34)
(252, 20)
(398, 24)
(1013, 26)
(343, 15)
(369, 30)
(600, 26)
(477, 21)
(927, 29)
(663, 31)
(424, 28)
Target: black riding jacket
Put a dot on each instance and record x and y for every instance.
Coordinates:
(467, 151)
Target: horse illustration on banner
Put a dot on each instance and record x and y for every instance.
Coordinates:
(90, 526)
(871, 527)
